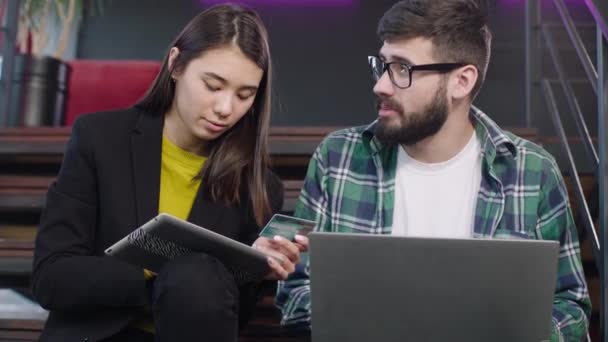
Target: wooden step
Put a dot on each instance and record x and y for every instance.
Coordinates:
(26, 193)
(51, 141)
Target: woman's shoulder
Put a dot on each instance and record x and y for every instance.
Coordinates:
(111, 130)
(107, 119)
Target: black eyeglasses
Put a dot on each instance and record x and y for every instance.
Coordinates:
(401, 73)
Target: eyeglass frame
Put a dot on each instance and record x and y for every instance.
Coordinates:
(440, 67)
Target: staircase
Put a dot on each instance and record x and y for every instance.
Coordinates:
(554, 84)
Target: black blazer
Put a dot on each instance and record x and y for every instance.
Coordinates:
(108, 185)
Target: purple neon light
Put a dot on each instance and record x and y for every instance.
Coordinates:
(283, 2)
(522, 3)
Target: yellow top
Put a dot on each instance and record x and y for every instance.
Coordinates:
(178, 185)
(178, 188)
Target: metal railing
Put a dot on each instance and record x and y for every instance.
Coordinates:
(535, 32)
(579, 119)
(599, 11)
(602, 172)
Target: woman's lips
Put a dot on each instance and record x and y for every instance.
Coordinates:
(214, 126)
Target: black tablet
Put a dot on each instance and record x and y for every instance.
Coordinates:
(165, 237)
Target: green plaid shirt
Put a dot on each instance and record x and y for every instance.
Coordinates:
(350, 187)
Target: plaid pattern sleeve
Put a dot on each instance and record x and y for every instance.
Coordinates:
(349, 187)
(525, 196)
(571, 304)
(293, 295)
(529, 199)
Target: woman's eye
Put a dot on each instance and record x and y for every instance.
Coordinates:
(211, 88)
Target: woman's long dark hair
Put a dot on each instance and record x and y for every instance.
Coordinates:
(240, 156)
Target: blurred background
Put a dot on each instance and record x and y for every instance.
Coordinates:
(546, 82)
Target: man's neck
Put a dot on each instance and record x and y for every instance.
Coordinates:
(445, 144)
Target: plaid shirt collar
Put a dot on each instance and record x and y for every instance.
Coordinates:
(492, 138)
(521, 196)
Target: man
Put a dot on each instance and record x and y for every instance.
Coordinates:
(433, 165)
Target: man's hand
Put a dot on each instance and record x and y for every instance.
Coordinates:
(283, 255)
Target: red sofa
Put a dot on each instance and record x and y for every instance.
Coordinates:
(97, 85)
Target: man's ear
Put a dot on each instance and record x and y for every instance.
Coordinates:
(173, 53)
(463, 81)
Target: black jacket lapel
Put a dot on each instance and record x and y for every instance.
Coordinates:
(206, 213)
(146, 147)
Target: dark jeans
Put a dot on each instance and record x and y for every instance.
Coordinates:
(195, 298)
(131, 335)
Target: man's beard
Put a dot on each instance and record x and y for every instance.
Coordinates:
(413, 127)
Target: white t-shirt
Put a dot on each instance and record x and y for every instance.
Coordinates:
(437, 200)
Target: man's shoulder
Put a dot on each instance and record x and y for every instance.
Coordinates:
(534, 154)
(510, 145)
(346, 136)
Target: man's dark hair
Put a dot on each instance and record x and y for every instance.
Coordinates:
(457, 28)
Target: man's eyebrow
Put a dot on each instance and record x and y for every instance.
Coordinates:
(397, 59)
(402, 60)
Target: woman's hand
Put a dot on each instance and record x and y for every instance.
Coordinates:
(283, 255)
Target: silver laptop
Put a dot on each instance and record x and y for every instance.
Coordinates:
(385, 288)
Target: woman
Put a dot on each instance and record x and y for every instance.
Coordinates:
(196, 147)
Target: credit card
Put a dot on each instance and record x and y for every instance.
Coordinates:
(287, 227)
